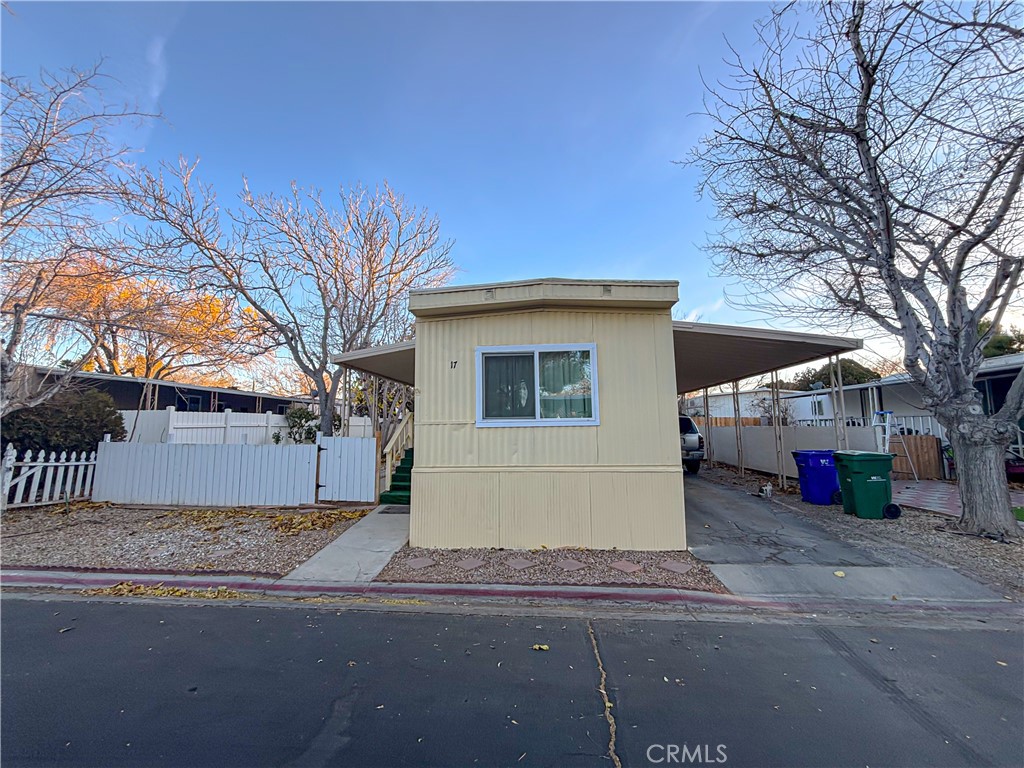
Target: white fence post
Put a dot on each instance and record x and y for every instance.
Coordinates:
(9, 456)
(269, 439)
(227, 426)
(170, 423)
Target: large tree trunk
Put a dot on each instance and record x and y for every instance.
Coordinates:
(979, 450)
(326, 411)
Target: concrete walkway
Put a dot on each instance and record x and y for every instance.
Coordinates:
(359, 554)
(759, 549)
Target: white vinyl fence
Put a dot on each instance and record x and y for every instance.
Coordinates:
(348, 469)
(206, 475)
(224, 428)
(45, 480)
(759, 444)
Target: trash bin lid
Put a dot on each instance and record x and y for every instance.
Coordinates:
(847, 458)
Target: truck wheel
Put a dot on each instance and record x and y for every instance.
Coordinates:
(693, 467)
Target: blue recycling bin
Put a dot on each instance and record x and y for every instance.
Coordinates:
(819, 480)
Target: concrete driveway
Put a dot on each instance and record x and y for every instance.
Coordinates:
(759, 548)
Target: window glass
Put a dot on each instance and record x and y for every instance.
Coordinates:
(565, 385)
(509, 387)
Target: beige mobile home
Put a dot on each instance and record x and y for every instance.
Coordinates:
(545, 410)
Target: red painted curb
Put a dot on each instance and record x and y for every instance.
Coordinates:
(663, 597)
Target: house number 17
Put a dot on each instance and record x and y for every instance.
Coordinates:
(453, 364)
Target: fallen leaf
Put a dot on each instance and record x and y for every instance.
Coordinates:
(840, 574)
(66, 629)
(351, 663)
(539, 647)
(1002, 664)
(873, 640)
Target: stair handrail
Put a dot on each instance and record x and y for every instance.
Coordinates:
(396, 448)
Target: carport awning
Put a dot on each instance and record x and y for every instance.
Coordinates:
(396, 362)
(706, 355)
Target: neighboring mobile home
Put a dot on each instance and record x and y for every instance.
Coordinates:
(546, 410)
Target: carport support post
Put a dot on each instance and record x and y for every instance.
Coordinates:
(736, 423)
(835, 375)
(780, 447)
(707, 428)
(842, 404)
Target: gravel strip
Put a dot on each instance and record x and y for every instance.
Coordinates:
(103, 536)
(912, 539)
(598, 570)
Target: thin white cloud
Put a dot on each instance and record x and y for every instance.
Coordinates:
(701, 312)
(157, 61)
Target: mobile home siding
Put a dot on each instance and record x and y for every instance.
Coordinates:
(618, 484)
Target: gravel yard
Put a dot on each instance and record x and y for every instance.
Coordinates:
(913, 536)
(586, 567)
(103, 536)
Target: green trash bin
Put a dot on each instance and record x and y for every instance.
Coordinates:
(865, 484)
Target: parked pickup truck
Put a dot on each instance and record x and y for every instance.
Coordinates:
(691, 442)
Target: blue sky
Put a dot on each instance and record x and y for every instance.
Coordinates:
(542, 134)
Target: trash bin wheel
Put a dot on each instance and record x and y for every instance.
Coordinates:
(891, 511)
(837, 497)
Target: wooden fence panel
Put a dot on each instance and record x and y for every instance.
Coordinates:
(728, 421)
(206, 475)
(348, 469)
(924, 450)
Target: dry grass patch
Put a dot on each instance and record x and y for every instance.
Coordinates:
(128, 589)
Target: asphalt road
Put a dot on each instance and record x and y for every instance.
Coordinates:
(165, 684)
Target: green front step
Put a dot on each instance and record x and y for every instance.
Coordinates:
(401, 482)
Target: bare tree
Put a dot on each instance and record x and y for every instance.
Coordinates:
(867, 167)
(59, 171)
(318, 280)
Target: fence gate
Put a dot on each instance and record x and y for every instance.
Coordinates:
(348, 469)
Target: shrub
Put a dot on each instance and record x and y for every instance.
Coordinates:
(302, 424)
(69, 421)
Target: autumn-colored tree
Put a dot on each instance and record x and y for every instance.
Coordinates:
(59, 183)
(140, 326)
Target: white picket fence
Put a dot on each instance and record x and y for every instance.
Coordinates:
(46, 480)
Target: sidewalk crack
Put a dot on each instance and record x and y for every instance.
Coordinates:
(604, 698)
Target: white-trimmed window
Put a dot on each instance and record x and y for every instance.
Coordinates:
(538, 385)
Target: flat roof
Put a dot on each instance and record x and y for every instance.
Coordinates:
(545, 292)
(46, 371)
(706, 354)
(990, 368)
